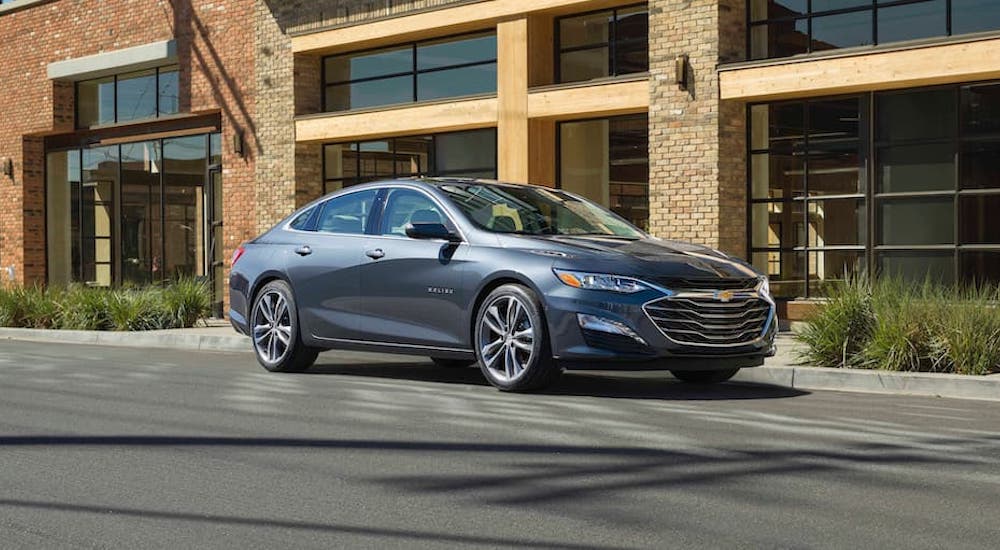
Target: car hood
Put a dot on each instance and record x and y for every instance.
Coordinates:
(649, 257)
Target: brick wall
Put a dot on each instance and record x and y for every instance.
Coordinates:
(696, 152)
(215, 55)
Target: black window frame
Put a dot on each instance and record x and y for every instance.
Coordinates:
(414, 72)
(872, 249)
(157, 108)
(431, 161)
(611, 44)
(872, 8)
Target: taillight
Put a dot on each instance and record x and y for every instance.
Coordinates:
(237, 254)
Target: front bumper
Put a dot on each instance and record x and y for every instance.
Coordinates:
(576, 348)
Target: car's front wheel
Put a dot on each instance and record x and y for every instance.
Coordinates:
(512, 342)
(275, 331)
(704, 376)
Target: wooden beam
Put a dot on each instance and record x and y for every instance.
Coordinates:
(904, 68)
(512, 98)
(542, 152)
(419, 119)
(608, 99)
(432, 23)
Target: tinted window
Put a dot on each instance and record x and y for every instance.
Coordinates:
(301, 222)
(347, 214)
(606, 43)
(406, 206)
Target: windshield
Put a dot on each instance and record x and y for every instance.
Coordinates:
(535, 211)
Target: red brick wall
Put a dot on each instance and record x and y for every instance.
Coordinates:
(215, 42)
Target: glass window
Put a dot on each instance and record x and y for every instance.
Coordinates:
(607, 161)
(919, 115)
(979, 266)
(781, 28)
(126, 97)
(437, 69)
(911, 168)
(981, 110)
(168, 89)
(95, 102)
(347, 214)
(977, 214)
(919, 266)
(406, 206)
(470, 153)
(922, 221)
(981, 165)
(969, 16)
(836, 222)
(301, 222)
(137, 93)
(600, 44)
(831, 266)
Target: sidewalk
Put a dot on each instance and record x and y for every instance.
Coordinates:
(780, 370)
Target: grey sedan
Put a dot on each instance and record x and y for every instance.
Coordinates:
(524, 281)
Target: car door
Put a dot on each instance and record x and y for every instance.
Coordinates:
(412, 288)
(324, 266)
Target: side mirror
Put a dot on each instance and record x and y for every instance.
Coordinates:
(431, 231)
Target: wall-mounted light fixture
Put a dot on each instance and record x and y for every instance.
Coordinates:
(238, 143)
(681, 71)
(7, 167)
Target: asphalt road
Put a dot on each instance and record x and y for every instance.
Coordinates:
(126, 448)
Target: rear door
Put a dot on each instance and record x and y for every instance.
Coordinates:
(324, 266)
(412, 288)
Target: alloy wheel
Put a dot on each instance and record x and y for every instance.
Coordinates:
(506, 338)
(272, 327)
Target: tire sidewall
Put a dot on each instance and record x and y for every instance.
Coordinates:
(293, 317)
(541, 352)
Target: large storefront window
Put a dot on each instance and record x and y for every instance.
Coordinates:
(780, 28)
(450, 67)
(913, 200)
(132, 213)
(607, 161)
(603, 43)
(126, 97)
(470, 154)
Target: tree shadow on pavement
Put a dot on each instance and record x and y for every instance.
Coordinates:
(585, 384)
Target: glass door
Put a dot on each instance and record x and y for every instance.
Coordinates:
(216, 257)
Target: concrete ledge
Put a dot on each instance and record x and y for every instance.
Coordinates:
(146, 56)
(196, 339)
(875, 381)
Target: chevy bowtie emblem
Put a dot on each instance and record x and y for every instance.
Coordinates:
(724, 295)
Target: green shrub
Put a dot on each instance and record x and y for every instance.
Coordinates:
(84, 308)
(29, 307)
(138, 309)
(892, 325)
(837, 332)
(188, 301)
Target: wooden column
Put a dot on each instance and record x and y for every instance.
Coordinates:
(512, 97)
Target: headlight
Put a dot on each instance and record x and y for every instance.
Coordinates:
(764, 288)
(600, 281)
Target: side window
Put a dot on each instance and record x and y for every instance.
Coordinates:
(301, 222)
(347, 214)
(408, 206)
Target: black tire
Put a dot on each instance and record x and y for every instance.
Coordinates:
(452, 363)
(291, 357)
(704, 376)
(537, 368)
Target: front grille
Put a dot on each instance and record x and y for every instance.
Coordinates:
(703, 320)
(680, 283)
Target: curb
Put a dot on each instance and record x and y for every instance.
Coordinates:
(923, 384)
(789, 376)
(168, 339)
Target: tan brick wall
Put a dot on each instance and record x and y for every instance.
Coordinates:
(215, 55)
(697, 157)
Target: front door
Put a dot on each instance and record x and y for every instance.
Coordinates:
(411, 288)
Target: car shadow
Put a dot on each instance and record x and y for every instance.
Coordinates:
(645, 385)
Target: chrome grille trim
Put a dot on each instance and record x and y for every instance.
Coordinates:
(700, 318)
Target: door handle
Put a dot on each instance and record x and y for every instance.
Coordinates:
(304, 250)
(375, 253)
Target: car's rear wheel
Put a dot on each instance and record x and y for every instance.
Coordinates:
(275, 334)
(452, 363)
(512, 342)
(704, 376)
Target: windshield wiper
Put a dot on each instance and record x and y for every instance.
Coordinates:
(605, 235)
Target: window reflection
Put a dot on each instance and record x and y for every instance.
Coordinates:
(604, 43)
(126, 97)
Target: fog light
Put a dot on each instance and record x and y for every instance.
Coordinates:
(600, 324)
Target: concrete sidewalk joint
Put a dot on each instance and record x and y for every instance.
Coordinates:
(780, 370)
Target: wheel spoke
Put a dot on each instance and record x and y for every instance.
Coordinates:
(280, 309)
(493, 320)
(284, 333)
(259, 331)
(508, 362)
(492, 351)
(513, 310)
